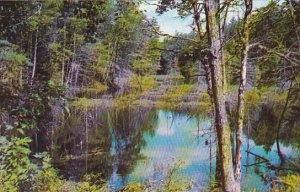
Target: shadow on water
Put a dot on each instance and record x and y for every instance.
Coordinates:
(120, 146)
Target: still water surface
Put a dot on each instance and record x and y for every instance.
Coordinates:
(138, 145)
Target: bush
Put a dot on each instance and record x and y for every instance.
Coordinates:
(14, 162)
(48, 180)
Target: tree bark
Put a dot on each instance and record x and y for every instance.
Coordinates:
(240, 105)
(224, 156)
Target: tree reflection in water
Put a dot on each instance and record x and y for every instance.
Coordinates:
(123, 145)
(101, 141)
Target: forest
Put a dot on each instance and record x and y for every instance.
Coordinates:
(96, 96)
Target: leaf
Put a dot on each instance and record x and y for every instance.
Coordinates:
(21, 131)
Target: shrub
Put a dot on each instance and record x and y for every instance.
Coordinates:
(14, 162)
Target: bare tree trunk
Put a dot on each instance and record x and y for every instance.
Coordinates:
(215, 36)
(240, 105)
(34, 57)
(64, 55)
(76, 74)
(204, 61)
(35, 49)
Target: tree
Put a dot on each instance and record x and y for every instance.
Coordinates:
(147, 60)
(214, 66)
(243, 72)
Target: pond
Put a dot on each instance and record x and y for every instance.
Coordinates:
(120, 146)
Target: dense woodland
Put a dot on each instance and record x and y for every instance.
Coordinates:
(54, 53)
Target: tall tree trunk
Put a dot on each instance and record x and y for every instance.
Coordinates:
(240, 105)
(35, 49)
(64, 56)
(34, 57)
(215, 36)
(204, 60)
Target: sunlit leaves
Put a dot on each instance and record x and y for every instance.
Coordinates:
(14, 161)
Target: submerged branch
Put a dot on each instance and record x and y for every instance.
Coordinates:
(261, 157)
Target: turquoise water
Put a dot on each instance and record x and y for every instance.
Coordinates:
(140, 145)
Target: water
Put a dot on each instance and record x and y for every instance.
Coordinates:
(138, 145)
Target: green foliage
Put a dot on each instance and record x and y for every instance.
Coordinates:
(101, 54)
(253, 98)
(177, 92)
(173, 98)
(84, 102)
(14, 162)
(147, 61)
(131, 99)
(173, 182)
(214, 186)
(11, 66)
(291, 183)
(48, 180)
(58, 53)
(135, 187)
(275, 62)
(142, 83)
(138, 87)
(83, 45)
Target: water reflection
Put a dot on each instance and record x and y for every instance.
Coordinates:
(264, 127)
(100, 141)
(125, 145)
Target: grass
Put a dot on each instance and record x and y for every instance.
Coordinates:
(84, 102)
(95, 89)
(177, 92)
(48, 180)
(140, 84)
(174, 99)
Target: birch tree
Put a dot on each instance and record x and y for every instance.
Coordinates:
(240, 104)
